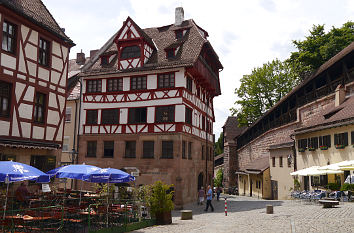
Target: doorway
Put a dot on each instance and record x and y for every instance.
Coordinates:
(251, 183)
(200, 181)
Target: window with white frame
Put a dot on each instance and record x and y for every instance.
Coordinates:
(68, 114)
(66, 144)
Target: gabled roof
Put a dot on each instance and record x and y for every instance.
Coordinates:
(331, 117)
(257, 166)
(36, 12)
(190, 47)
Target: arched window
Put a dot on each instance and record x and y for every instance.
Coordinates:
(130, 52)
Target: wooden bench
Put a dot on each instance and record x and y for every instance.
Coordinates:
(328, 203)
(186, 214)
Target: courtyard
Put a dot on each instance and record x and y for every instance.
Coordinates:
(247, 214)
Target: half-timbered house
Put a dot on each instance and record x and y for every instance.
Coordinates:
(33, 74)
(147, 105)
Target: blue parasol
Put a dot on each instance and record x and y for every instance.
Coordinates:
(108, 175)
(14, 172)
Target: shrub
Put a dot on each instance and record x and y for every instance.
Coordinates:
(347, 187)
(333, 186)
(160, 199)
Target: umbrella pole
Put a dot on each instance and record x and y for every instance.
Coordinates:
(81, 192)
(7, 191)
(107, 201)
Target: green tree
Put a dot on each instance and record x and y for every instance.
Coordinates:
(262, 89)
(219, 177)
(219, 145)
(319, 47)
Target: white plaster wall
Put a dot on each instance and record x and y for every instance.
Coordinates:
(24, 31)
(19, 89)
(31, 51)
(57, 63)
(134, 104)
(32, 68)
(43, 74)
(15, 131)
(65, 51)
(104, 86)
(56, 49)
(25, 111)
(29, 96)
(53, 117)
(63, 77)
(38, 132)
(26, 129)
(34, 37)
(60, 132)
(21, 62)
(52, 100)
(151, 81)
(150, 114)
(126, 84)
(4, 128)
(50, 133)
(180, 80)
(8, 61)
(55, 77)
(180, 113)
(123, 118)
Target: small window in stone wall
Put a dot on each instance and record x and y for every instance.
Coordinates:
(313, 143)
(341, 140)
(130, 149)
(167, 150)
(352, 136)
(302, 145)
(108, 149)
(281, 161)
(91, 148)
(325, 141)
(273, 161)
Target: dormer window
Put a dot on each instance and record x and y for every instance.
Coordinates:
(170, 53)
(179, 34)
(104, 61)
(130, 52)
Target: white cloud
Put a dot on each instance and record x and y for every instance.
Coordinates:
(245, 34)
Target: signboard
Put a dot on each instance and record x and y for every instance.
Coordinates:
(135, 174)
(45, 188)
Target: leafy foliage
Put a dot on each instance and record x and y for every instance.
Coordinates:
(160, 199)
(262, 89)
(296, 184)
(333, 186)
(347, 187)
(219, 177)
(320, 46)
(219, 145)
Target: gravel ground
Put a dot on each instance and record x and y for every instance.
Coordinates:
(246, 214)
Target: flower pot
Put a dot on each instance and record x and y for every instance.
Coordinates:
(340, 146)
(324, 147)
(301, 150)
(163, 218)
(312, 149)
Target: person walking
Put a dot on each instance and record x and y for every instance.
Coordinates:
(218, 191)
(209, 198)
(201, 194)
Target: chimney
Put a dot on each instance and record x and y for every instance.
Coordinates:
(179, 16)
(80, 58)
(93, 53)
(340, 95)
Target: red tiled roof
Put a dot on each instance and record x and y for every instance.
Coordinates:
(259, 164)
(35, 11)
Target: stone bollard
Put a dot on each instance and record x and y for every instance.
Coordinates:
(269, 209)
(186, 214)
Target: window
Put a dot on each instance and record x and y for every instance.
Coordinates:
(167, 149)
(313, 143)
(341, 139)
(91, 117)
(289, 160)
(189, 150)
(273, 161)
(302, 145)
(130, 149)
(68, 114)
(130, 52)
(43, 163)
(138, 83)
(44, 49)
(352, 136)
(114, 84)
(188, 115)
(137, 115)
(91, 148)
(281, 161)
(166, 80)
(7, 157)
(94, 86)
(66, 144)
(110, 116)
(203, 122)
(165, 114)
(211, 153)
(170, 53)
(207, 153)
(184, 150)
(9, 37)
(203, 152)
(325, 141)
(39, 107)
(179, 34)
(189, 84)
(148, 149)
(104, 60)
(108, 150)
(319, 180)
(5, 98)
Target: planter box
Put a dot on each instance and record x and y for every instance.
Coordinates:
(340, 146)
(324, 147)
(163, 218)
(312, 149)
(301, 150)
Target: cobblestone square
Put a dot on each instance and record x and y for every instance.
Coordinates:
(246, 214)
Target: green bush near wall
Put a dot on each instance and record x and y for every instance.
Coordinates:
(347, 187)
(333, 186)
(129, 227)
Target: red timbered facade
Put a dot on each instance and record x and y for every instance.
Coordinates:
(33, 73)
(151, 107)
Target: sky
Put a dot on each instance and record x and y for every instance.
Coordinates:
(244, 33)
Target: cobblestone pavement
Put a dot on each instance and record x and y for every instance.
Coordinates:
(246, 214)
